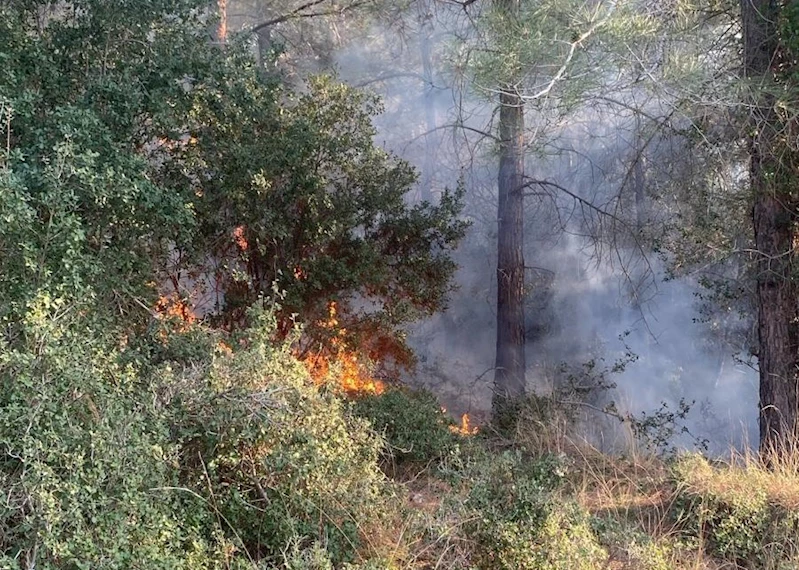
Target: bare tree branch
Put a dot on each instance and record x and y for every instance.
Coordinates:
(599, 210)
(300, 12)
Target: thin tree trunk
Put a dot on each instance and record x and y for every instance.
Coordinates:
(509, 378)
(639, 178)
(774, 220)
(221, 32)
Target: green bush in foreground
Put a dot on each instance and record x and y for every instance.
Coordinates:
(87, 461)
(746, 515)
(629, 544)
(285, 464)
(218, 462)
(517, 522)
(412, 422)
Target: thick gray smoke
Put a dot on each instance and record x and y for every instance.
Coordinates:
(598, 292)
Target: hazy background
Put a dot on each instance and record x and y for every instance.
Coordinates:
(602, 284)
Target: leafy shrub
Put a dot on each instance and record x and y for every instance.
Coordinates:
(317, 557)
(630, 546)
(282, 461)
(412, 422)
(86, 459)
(518, 523)
(739, 512)
(214, 462)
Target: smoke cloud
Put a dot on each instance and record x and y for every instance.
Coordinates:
(600, 292)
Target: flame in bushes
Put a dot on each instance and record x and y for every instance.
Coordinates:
(174, 307)
(465, 427)
(350, 374)
(240, 239)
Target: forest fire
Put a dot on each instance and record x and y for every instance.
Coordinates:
(174, 307)
(465, 427)
(339, 364)
(345, 370)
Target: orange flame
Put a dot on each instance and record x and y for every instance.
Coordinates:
(465, 428)
(238, 237)
(351, 375)
(173, 306)
(224, 348)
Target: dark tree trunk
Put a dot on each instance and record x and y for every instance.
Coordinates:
(509, 379)
(774, 220)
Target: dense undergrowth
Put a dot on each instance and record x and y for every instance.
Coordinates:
(172, 450)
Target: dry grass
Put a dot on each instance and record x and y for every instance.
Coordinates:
(633, 496)
(636, 496)
(774, 480)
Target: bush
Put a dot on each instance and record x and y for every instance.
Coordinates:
(518, 523)
(535, 423)
(88, 460)
(744, 514)
(282, 461)
(632, 547)
(216, 462)
(413, 424)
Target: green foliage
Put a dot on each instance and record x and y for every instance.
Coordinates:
(85, 88)
(316, 557)
(413, 424)
(136, 148)
(127, 440)
(635, 548)
(733, 512)
(547, 51)
(282, 461)
(88, 460)
(519, 523)
(321, 208)
(205, 462)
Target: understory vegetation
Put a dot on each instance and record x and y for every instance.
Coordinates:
(207, 271)
(187, 448)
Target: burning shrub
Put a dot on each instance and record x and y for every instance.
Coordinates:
(336, 364)
(178, 455)
(412, 422)
(281, 460)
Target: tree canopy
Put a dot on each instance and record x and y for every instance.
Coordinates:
(140, 154)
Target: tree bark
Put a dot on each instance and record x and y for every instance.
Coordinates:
(221, 32)
(774, 217)
(509, 377)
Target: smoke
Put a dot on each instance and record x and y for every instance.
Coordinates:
(601, 290)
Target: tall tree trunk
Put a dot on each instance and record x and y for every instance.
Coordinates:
(774, 220)
(221, 32)
(509, 377)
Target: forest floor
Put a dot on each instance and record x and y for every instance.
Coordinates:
(644, 512)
